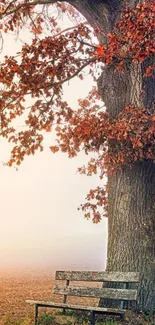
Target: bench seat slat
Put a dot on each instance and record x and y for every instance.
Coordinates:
(68, 306)
(107, 293)
(98, 276)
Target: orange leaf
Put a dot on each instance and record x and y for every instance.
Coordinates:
(48, 128)
(100, 50)
(54, 149)
(152, 118)
(148, 71)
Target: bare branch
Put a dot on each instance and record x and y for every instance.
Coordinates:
(26, 4)
(70, 28)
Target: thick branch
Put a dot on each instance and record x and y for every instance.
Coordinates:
(99, 13)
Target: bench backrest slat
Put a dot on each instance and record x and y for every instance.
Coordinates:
(89, 276)
(107, 293)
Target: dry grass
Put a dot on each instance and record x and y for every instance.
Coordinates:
(16, 288)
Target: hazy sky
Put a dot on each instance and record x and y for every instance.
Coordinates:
(40, 224)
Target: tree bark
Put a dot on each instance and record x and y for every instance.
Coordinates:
(131, 226)
(131, 192)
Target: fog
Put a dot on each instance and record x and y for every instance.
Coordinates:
(40, 224)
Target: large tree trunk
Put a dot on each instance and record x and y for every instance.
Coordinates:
(131, 192)
(131, 226)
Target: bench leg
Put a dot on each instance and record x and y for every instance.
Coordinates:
(64, 311)
(36, 315)
(122, 316)
(92, 318)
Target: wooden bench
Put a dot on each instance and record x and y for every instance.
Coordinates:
(122, 295)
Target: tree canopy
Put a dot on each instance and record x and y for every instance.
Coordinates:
(42, 67)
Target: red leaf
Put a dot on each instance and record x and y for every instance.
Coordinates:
(100, 50)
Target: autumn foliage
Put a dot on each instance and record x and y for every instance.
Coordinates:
(41, 69)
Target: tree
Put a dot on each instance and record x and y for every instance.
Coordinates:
(122, 137)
